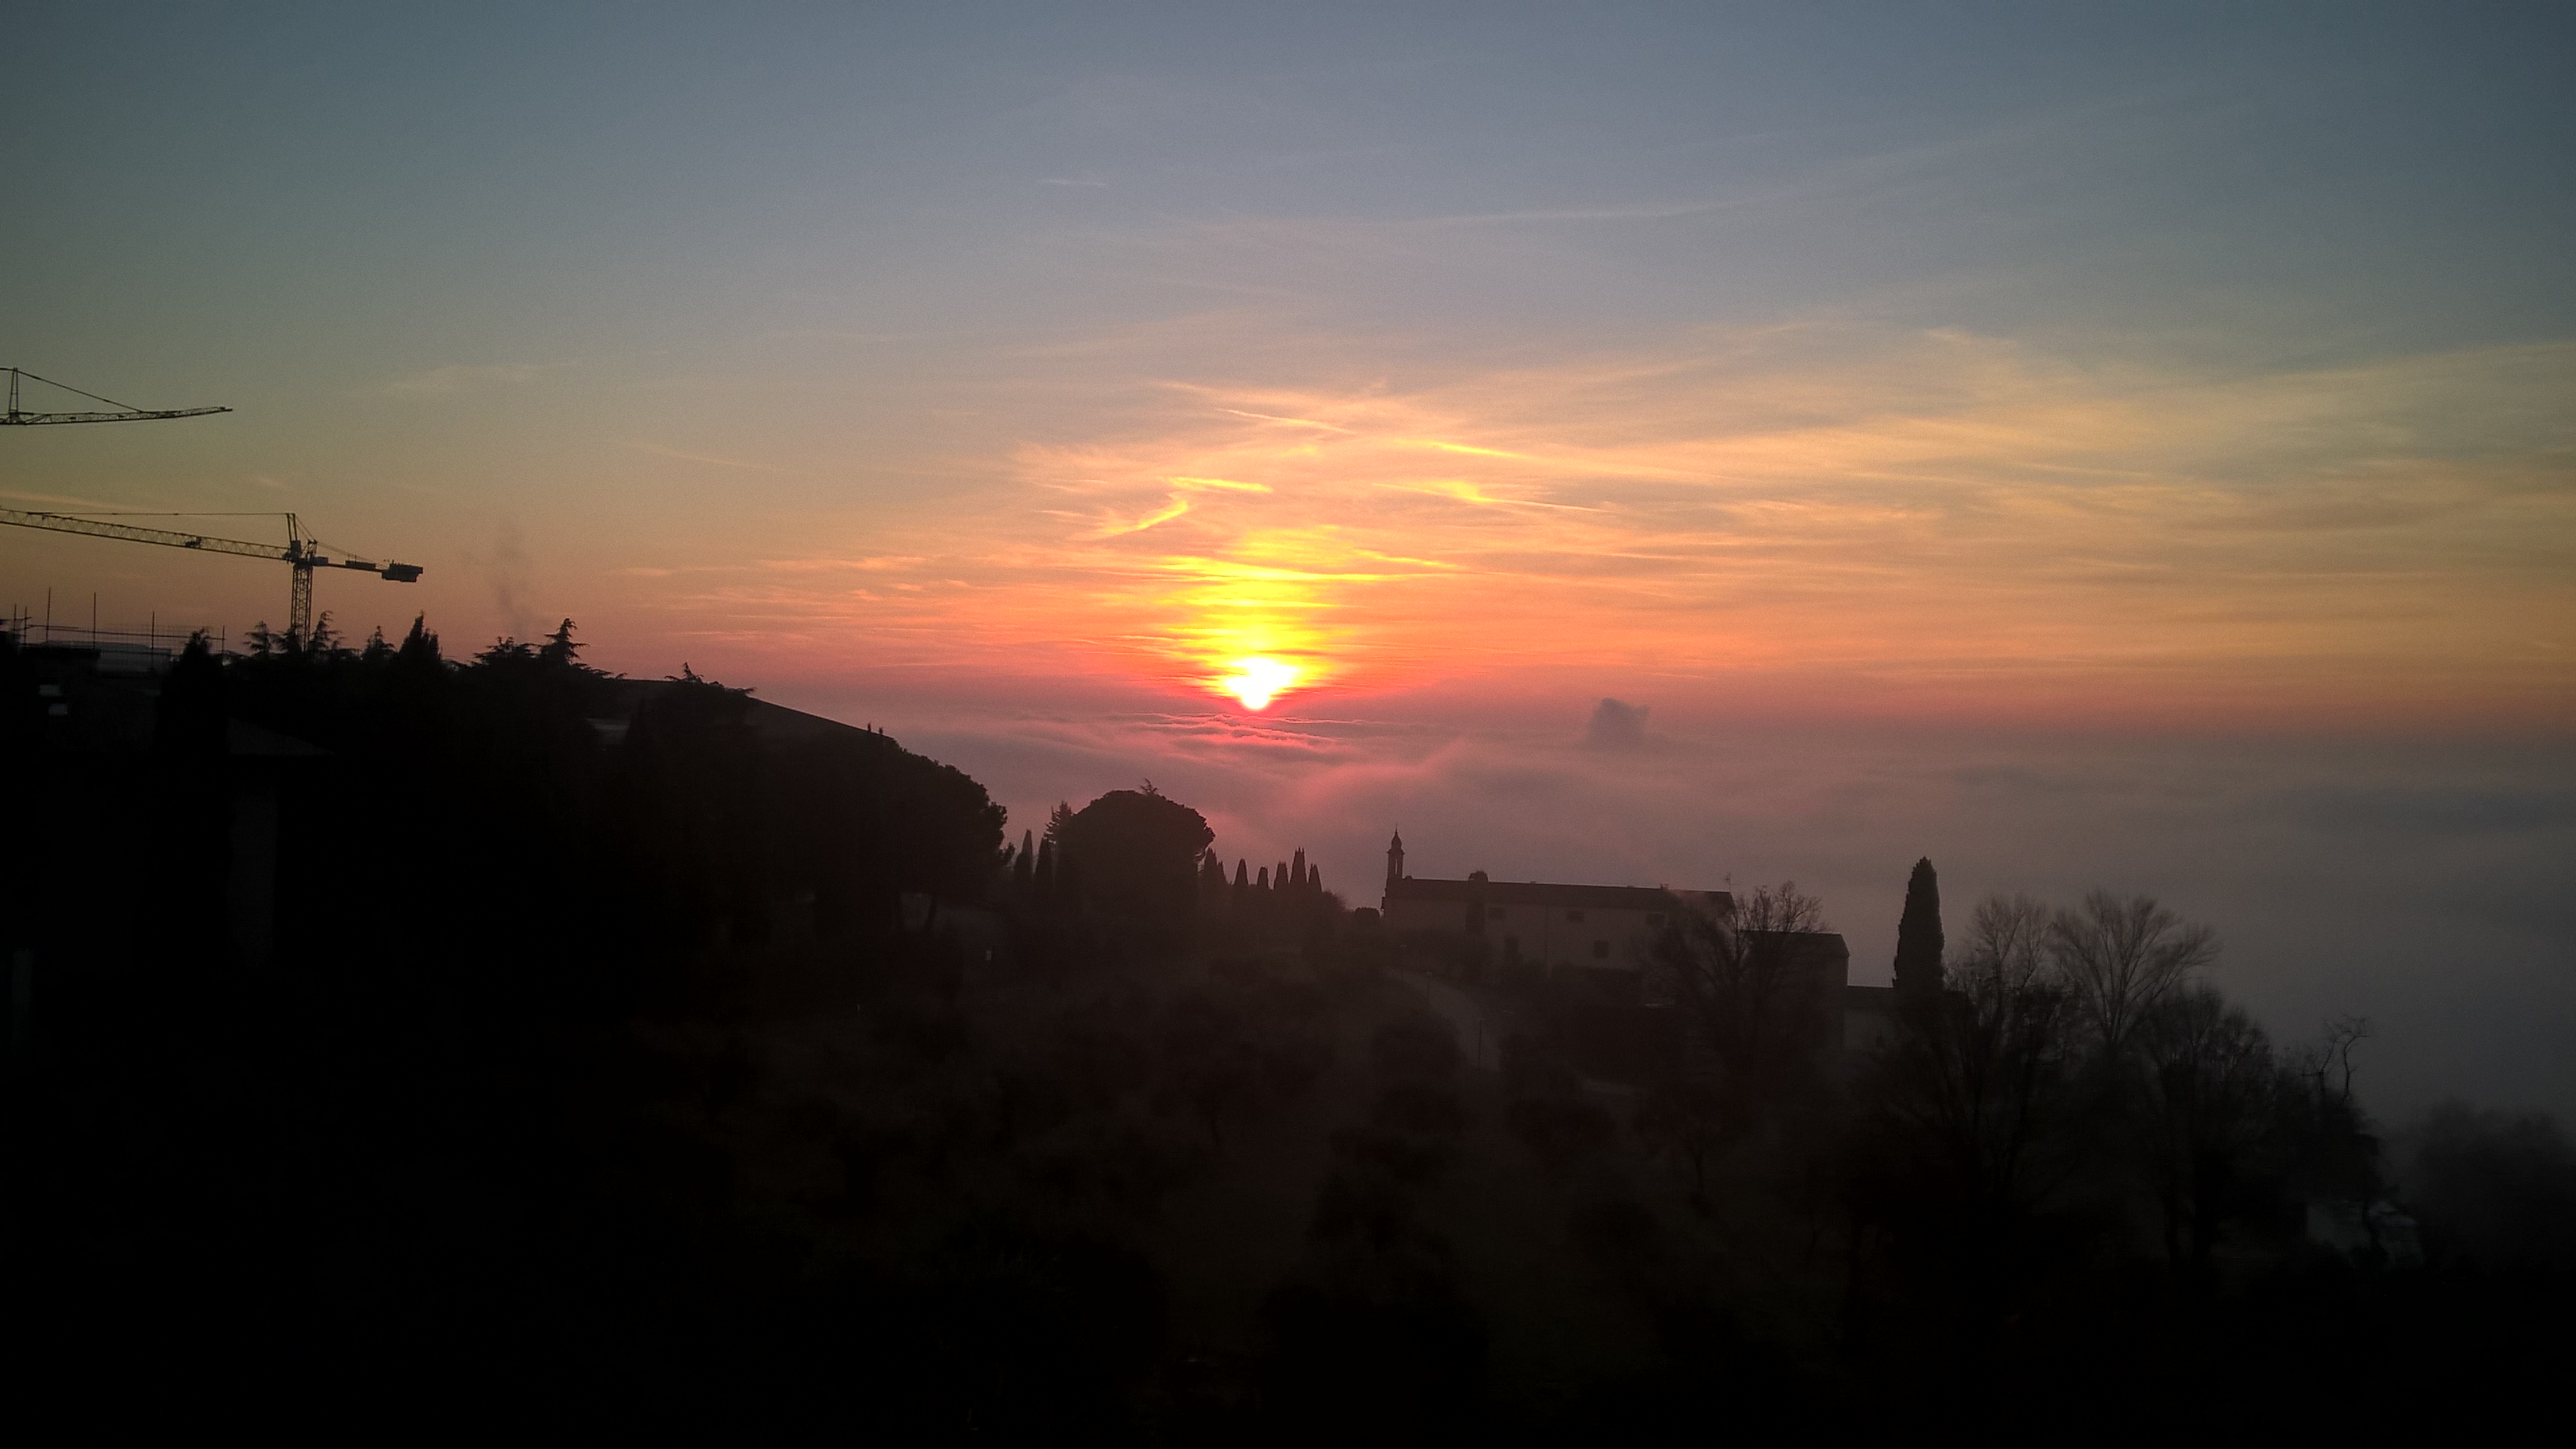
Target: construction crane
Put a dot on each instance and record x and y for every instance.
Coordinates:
(125, 412)
(302, 553)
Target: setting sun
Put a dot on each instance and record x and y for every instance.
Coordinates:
(1257, 681)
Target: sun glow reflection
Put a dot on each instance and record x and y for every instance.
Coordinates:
(1257, 681)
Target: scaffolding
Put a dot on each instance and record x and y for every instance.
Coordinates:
(147, 650)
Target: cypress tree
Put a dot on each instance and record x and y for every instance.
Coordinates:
(1918, 934)
(1263, 884)
(1297, 874)
(1024, 866)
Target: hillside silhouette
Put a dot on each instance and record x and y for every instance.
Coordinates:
(497, 1029)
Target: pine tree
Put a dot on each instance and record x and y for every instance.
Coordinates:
(1918, 934)
(420, 646)
(560, 651)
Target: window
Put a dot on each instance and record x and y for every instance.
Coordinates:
(1574, 915)
(1600, 950)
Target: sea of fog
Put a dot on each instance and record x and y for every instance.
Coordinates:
(2428, 886)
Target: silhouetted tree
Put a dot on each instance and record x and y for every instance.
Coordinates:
(1138, 851)
(1758, 1008)
(1918, 935)
(559, 651)
(1977, 1088)
(2208, 1083)
(189, 718)
(2122, 957)
(2327, 1147)
(695, 788)
(1227, 1058)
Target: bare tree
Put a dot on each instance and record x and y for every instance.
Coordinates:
(1756, 1003)
(2122, 957)
(2208, 1083)
(1977, 1079)
(2328, 1143)
(2326, 1064)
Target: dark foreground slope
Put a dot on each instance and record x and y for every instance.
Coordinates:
(637, 1055)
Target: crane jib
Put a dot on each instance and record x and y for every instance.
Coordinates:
(125, 412)
(298, 553)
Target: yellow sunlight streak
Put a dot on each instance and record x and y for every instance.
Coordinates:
(1931, 515)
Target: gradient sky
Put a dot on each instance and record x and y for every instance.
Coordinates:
(2133, 447)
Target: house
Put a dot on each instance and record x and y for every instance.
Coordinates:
(1600, 931)
(1605, 936)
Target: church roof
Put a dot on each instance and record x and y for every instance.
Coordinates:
(1534, 893)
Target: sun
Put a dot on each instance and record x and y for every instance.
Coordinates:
(1257, 681)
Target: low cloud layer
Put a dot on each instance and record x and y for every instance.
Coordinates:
(2421, 885)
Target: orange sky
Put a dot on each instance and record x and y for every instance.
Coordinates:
(2089, 445)
(1796, 519)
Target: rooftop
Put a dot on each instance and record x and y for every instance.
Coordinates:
(1535, 893)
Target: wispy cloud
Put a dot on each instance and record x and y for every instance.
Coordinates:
(1928, 520)
(467, 377)
(710, 459)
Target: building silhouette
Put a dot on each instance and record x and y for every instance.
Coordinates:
(1605, 936)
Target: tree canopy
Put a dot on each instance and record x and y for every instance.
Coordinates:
(1138, 851)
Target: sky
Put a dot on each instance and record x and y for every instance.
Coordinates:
(2124, 446)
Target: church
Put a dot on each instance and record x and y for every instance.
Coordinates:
(1588, 929)
(1605, 935)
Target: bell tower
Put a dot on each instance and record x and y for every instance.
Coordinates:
(1395, 858)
